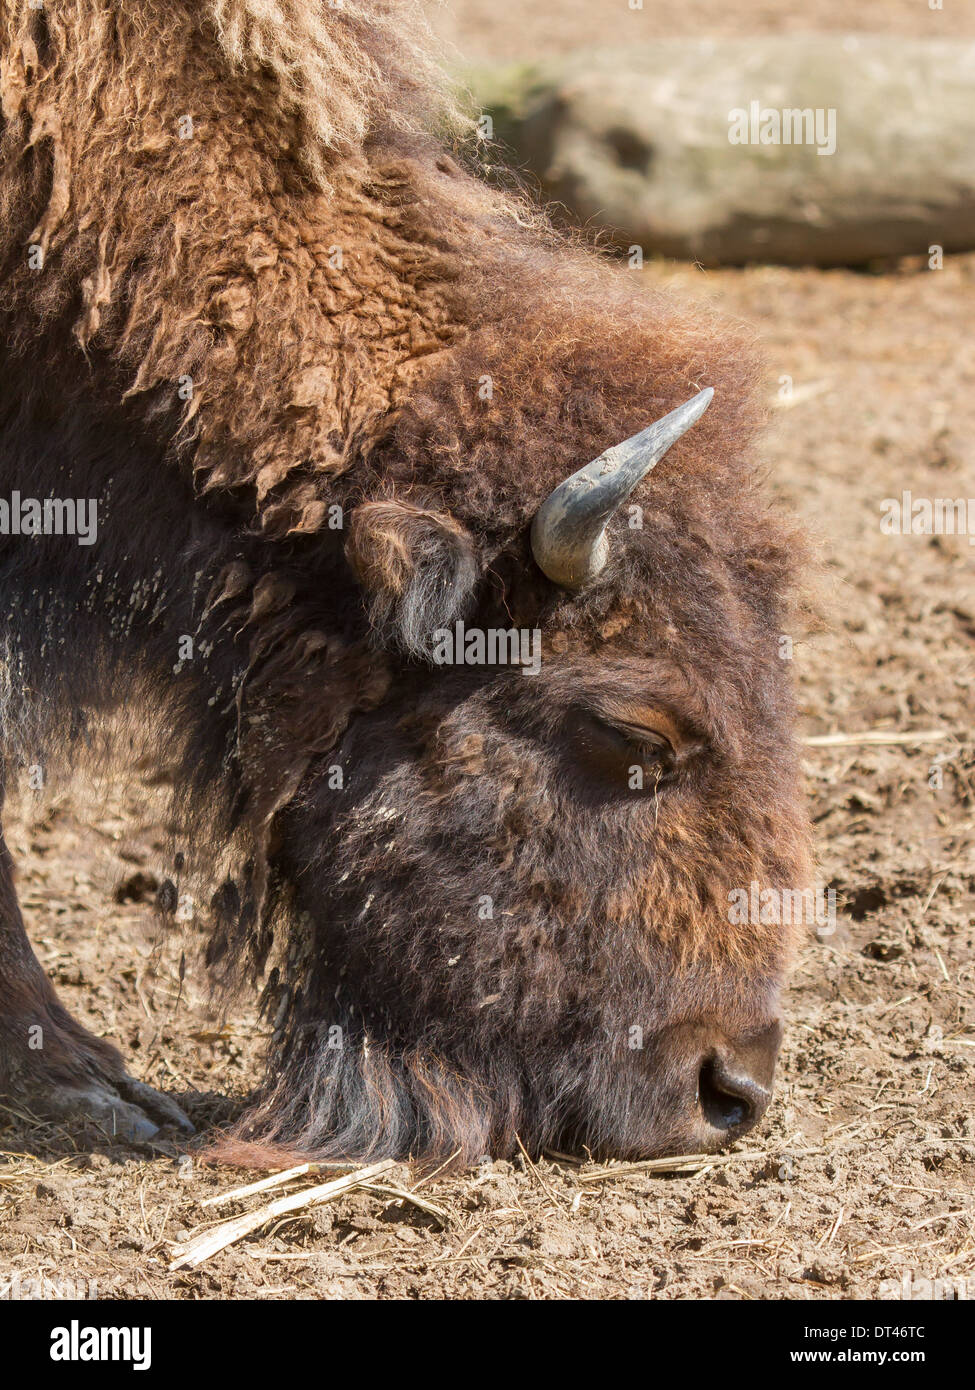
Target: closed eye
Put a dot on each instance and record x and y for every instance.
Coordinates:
(643, 739)
(630, 757)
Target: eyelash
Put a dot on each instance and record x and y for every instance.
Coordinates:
(614, 750)
(640, 741)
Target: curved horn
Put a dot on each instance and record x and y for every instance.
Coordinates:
(569, 530)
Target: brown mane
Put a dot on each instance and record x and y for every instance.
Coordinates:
(316, 265)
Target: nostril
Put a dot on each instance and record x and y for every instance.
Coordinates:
(729, 1101)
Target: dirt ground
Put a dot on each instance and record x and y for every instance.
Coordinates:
(864, 1168)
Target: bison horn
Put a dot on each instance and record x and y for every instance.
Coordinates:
(569, 530)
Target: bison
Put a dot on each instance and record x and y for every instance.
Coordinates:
(310, 440)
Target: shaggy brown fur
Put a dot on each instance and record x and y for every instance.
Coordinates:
(322, 377)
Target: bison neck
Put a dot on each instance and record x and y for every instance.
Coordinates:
(124, 590)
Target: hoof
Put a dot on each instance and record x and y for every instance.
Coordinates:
(123, 1109)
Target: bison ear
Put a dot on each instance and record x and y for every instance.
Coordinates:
(418, 569)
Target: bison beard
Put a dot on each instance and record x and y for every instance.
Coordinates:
(247, 296)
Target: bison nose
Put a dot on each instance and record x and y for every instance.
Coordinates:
(734, 1083)
(728, 1100)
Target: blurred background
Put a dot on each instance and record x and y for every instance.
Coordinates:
(797, 135)
(490, 30)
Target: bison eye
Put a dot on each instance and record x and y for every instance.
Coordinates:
(633, 758)
(649, 741)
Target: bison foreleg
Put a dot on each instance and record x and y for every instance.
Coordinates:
(49, 1063)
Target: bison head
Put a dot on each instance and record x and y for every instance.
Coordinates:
(518, 874)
